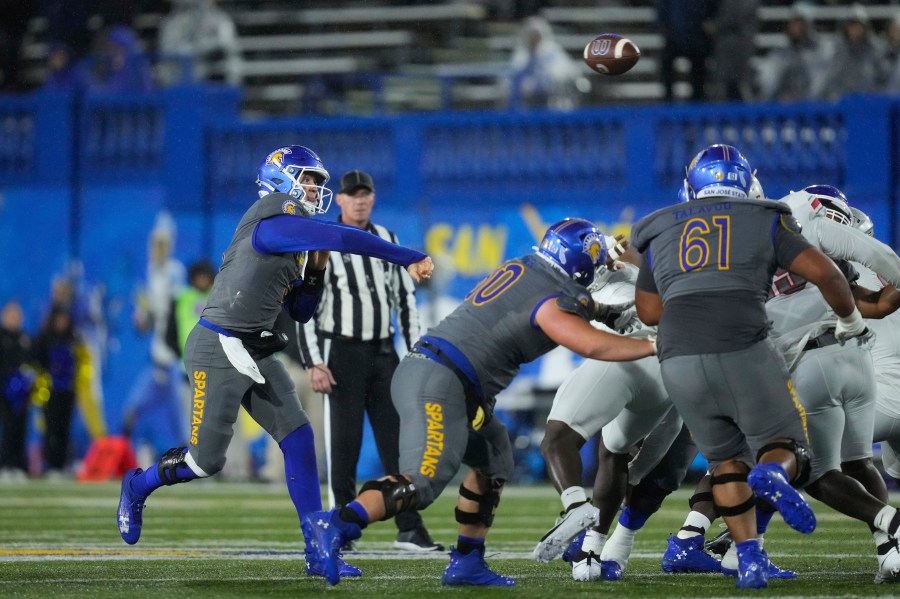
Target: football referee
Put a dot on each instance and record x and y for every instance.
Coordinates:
(348, 349)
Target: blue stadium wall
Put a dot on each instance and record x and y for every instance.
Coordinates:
(84, 178)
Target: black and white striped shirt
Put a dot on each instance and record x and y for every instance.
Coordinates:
(359, 295)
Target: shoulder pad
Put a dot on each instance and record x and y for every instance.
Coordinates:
(790, 223)
(571, 305)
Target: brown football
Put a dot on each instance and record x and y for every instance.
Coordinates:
(611, 54)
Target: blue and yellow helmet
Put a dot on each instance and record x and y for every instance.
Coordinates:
(283, 169)
(719, 171)
(577, 247)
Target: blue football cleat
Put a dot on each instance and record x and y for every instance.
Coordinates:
(574, 548)
(774, 571)
(314, 568)
(611, 570)
(687, 556)
(130, 516)
(325, 534)
(753, 566)
(471, 569)
(770, 482)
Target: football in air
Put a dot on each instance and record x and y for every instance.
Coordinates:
(611, 54)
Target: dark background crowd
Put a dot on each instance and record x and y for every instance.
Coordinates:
(697, 50)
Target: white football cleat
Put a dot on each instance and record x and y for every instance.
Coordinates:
(567, 528)
(888, 563)
(586, 567)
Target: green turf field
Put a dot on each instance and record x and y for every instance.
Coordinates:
(212, 539)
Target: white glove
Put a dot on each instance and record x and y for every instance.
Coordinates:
(608, 313)
(852, 326)
(627, 322)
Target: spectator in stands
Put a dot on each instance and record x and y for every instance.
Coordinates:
(119, 65)
(794, 72)
(733, 30)
(207, 34)
(16, 14)
(15, 387)
(67, 21)
(854, 65)
(64, 69)
(55, 351)
(543, 74)
(891, 68)
(684, 24)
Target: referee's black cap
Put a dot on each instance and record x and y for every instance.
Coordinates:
(353, 180)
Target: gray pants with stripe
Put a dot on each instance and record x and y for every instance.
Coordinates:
(219, 391)
(734, 403)
(435, 436)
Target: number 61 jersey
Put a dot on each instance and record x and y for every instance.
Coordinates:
(711, 261)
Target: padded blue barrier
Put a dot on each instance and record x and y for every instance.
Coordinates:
(191, 142)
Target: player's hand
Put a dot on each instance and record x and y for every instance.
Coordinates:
(421, 270)
(318, 259)
(321, 379)
(853, 327)
(616, 248)
(609, 313)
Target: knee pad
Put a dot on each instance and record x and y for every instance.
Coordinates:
(801, 452)
(399, 496)
(169, 465)
(732, 510)
(487, 503)
(647, 497)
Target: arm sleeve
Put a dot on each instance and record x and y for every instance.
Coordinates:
(403, 298)
(842, 242)
(301, 306)
(288, 233)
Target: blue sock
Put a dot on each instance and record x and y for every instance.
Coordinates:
(633, 519)
(149, 480)
(360, 511)
(301, 471)
(763, 517)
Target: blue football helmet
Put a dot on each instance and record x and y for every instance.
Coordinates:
(684, 192)
(837, 208)
(577, 247)
(719, 171)
(282, 171)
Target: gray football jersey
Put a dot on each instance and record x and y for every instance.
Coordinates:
(711, 261)
(494, 326)
(248, 291)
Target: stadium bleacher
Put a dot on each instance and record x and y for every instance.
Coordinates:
(414, 56)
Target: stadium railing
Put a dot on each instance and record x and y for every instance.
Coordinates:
(638, 153)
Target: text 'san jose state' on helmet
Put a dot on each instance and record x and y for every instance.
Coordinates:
(719, 171)
(283, 170)
(576, 246)
(837, 208)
